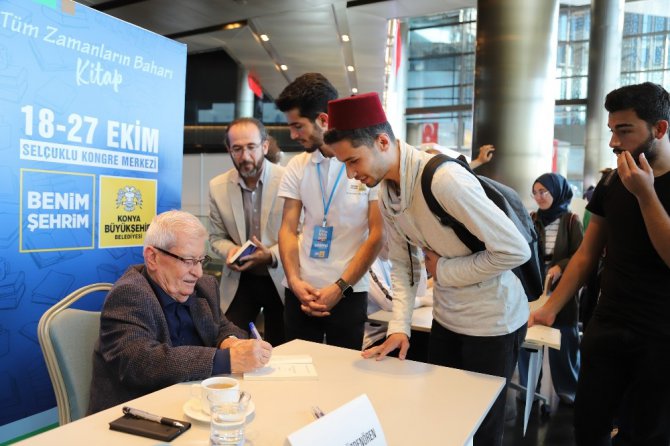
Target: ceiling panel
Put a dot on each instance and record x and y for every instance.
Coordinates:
(314, 46)
(303, 34)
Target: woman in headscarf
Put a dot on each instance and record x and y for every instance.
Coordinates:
(560, 232)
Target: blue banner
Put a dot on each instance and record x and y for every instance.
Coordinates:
(91, 139)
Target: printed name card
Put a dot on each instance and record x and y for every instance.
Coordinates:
(354, 424)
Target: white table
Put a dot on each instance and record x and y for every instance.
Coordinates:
(416, 403)
(422, 319)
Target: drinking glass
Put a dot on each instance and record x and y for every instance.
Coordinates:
(228, 419)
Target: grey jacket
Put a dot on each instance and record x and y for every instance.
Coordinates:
(134, 355)
(226, 216)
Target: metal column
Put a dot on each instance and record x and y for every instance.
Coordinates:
(604, 73)
(515, 88)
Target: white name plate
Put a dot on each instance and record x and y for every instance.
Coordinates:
(354, 424)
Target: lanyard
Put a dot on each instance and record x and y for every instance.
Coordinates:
(326, 207)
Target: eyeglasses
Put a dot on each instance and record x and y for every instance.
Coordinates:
(237, 151)
(188, 262)
(539, 193)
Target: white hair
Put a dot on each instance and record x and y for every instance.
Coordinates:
(165, 227)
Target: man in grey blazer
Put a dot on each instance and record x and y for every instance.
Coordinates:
(161, 323)
(243, 205)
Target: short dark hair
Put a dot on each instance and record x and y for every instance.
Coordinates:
(274, 152)
(650, 101)
(309, 93)
(253, 121)
(359, 137)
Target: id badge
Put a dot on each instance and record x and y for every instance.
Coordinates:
(323, 236)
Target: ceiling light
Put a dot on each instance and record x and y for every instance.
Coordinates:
(283, 67)
(354, 90)
(264, 37)
(233, 25)
(350, 68)
(345, 37)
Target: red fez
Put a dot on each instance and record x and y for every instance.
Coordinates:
(355, 112)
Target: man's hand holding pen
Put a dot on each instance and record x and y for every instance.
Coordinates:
(250, 354)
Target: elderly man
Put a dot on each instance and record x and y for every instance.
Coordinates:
(161, 323)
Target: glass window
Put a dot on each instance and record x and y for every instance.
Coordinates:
(454, 130)
(572, 63)
(442, 63)
(441, 75)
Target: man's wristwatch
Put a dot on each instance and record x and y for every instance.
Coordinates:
(346, 289)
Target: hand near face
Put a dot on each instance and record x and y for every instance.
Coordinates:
(638, 180)
(249, 354)
(394, 341)
(431, 258)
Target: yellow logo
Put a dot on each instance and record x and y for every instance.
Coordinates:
(127, 206)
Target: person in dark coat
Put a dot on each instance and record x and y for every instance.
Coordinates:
(161, 323)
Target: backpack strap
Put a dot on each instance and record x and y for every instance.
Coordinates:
(466, 237)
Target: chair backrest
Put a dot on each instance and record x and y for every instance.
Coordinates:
(67, 337)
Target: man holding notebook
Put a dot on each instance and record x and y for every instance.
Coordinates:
(244, 207)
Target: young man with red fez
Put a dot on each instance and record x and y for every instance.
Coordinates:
(480, 308)
(625, 363)
(326, 262)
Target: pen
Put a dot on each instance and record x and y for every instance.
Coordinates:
(151, 417)
(254, 331)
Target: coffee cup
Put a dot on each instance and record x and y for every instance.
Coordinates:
(227, 390)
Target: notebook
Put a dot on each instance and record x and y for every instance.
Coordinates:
(247, 248)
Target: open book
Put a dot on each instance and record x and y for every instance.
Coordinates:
(285, 367)
(539, 334)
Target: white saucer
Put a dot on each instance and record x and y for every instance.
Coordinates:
(192, 410)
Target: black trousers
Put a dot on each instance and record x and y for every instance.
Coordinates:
(343, 328)
(625, 376)
(493, 355)
(253, 293)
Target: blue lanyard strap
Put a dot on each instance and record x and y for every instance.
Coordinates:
(326, 207)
